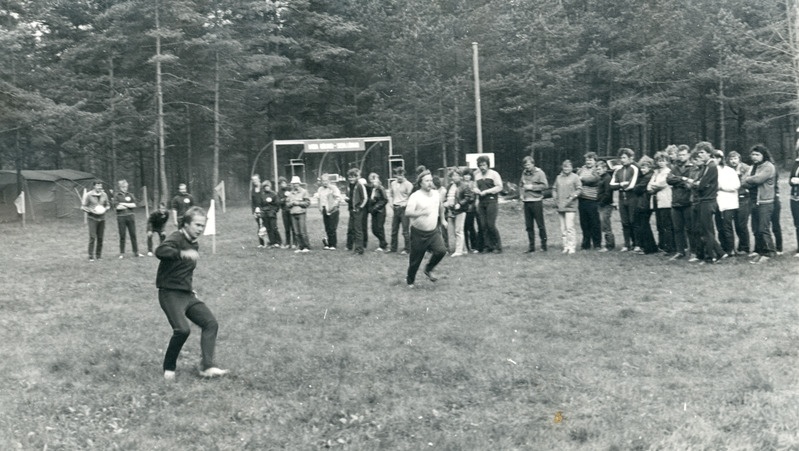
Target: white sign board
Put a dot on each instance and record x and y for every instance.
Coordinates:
(471, 159)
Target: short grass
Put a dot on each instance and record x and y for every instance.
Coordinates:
(328, 349)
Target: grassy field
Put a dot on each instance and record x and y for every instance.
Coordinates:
(545, 351)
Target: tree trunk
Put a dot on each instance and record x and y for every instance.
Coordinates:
(189, 178)
(216, 120)
(722, 119)
(159, 99)
(113, 148)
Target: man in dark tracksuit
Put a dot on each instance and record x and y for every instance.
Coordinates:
(356, 203)
(624, 179)
(707, 188)
(125, 204)
(178, 255)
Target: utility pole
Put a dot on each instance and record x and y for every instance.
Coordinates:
(477, 112)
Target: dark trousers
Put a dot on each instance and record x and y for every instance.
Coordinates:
(287, 228)
(724, 224)
(665, 229)
(356, 231)
(181, 307)
(643, 231)
(331, 224)
(534, 216)
(626, 214)
(708, 248)
(761, 224)
(470, 231)
(379, 228)
(795, 214)
(397, 220)
(161, 238)
(605, 214)
(272, 231)
(96, 232)
(487, 212)
(741, 222)
(421, 242)
(683, 222)
(776, 227)
(127, 222)
(298, 224)
(589, 223)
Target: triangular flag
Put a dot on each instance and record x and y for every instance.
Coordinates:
(20, 203)
(220, 191)
(210, 223)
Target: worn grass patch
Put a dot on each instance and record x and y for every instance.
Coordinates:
(328, 349)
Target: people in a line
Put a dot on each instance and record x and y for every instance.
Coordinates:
(624, 179)
(588, 206)
(399, 191)
(180, 203)
(357, 199)
(426, 213)
(565, 191)
(95, 203)
(741, 216)
(125, 205)
(378, 199)
(606, 206)
(298, 201)
(488, 186)
(329, 198)
(533, 184)
(760, 183)
(269, 208)
(155, 226)
(661, 201)
(178, 256)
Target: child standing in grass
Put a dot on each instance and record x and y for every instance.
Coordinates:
(179, 255)
(565, 190)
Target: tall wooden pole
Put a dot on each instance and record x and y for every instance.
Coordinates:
(477, 111)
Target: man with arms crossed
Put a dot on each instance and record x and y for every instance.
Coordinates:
(426, 213)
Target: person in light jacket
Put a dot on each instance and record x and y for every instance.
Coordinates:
(660, 189)
(565, 192)
(760, 182)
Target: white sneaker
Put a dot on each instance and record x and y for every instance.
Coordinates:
(305, 250)
(213, 372)
(379, 249)
(149, 254)
(327, 248)
(121, 256)
(260, 246)
(298, 251)
(169, 375)
(456, 254)
(331, 248)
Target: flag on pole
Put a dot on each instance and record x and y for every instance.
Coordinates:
(220, 191)
(20, 203)
(210, 223)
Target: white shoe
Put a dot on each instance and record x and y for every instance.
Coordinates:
(331, 248)
(260, 246)
(298, 251)
(327, 248)
(121, 256)
(456, 254)
(169, 375)
(624, 249)
(306, 250)
(379, 249)
(149, 254)
(276, 246)
(213, 372)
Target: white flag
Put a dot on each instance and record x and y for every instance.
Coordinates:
(20, 203)
(210, 223)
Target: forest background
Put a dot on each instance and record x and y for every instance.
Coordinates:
(161, 92)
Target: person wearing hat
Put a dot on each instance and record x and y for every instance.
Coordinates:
(329, 198)
(297, 200)
(95, 204)
(426, 213)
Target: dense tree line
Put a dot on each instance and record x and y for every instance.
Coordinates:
(165, 90)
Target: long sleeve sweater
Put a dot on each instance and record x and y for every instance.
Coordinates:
(174, 272)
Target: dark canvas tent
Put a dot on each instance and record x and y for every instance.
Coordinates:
(51, 194)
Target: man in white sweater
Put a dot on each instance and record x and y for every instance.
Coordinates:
(425, 212)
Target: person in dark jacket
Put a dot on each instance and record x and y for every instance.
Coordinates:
(255, 206)
(605, 199)
(624, 179)
(288, 229)
(588, 205)
(269, 208)
(377, 208)
(644, 239)
(681, 210)
(760, 182)
(178, 256)
(706, 186)
(533, 183)
(155, 224)
(793, 182)
(357, 199)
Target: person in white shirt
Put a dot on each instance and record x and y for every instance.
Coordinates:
(426, 213)
(727, 200)
(329, 199)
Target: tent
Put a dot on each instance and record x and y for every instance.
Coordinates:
(50, 194)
